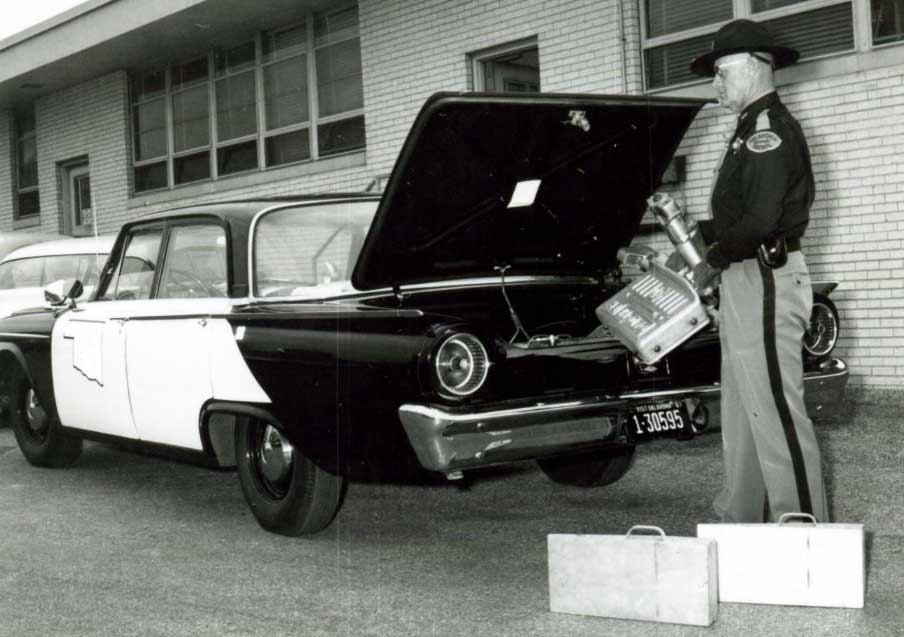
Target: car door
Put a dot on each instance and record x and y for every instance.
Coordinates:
(88, 348)
(169, 339)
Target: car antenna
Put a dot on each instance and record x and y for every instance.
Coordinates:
(519, 327)
(98, 265)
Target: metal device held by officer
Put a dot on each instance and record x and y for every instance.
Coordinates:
(683, 233)
(659, 310)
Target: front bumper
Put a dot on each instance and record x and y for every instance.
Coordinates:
(449, 439)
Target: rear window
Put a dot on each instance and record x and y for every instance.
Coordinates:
(309, 251)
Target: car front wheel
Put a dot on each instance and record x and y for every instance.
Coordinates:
(594, 469)
(287, 493)
(40, 437)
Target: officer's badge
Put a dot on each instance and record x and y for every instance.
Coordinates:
(763, 141)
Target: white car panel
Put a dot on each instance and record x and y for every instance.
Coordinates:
(89, 375)
(230, 376)
(168, 368)
(144, 369)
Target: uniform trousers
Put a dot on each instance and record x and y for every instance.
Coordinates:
(768, 442)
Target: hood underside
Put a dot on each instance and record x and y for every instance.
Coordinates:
(543, 184)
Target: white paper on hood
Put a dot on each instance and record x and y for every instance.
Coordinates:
(525, 193)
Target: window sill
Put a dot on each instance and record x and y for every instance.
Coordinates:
(812, 70)
(32, 221)
(226, 186)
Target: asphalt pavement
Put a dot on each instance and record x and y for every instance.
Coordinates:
(125, 544)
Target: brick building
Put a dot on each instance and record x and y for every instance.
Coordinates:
(122, 106)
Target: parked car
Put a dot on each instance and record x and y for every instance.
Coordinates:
(448, 325)
(27, 271)
(9, 241)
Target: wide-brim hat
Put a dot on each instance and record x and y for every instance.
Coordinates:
(742, 36)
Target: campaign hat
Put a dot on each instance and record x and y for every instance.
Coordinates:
(743, 36)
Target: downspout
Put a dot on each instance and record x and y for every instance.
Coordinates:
(622, 39)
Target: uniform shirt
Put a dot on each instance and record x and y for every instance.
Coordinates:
(764, 187)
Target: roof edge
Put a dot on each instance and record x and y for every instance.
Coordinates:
(52, 22)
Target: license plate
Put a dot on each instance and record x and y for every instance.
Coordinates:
(660, 419)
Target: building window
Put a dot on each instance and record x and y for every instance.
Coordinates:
(675, 31)
(28, 202)
(289, 95)
(887, 18)
(511, 68)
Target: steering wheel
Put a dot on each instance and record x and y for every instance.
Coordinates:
(192, 278)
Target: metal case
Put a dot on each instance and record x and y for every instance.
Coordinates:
(655, 314)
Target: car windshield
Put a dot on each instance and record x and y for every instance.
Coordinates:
(309, 251)
(41, 271)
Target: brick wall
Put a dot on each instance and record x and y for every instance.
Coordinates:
(7, 166)
(87, 121)
(413, 49)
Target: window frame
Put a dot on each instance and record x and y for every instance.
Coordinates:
(262, 134)
(479, 58)
(164, 254)
(110, 273)
(744, 9)
(18, 139)
(868, 22)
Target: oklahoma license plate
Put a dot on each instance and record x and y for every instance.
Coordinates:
(660, 419)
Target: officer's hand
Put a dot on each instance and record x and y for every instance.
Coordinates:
(706, 278)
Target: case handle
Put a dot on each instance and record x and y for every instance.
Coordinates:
(787, 516)
(644, 527)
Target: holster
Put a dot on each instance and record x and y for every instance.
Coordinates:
(773, 252)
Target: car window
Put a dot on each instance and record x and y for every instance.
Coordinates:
(135, 275)
(309, 251)
(41, 271)
(195, 263)
(21, 273)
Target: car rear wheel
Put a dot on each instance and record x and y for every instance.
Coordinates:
(287, 493)
(594, 469)
(40, 437)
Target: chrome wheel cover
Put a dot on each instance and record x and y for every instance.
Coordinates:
(273, 461)
(35, 416)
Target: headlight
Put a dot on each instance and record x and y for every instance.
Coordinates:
(461, 364)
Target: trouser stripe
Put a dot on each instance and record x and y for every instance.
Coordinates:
(778, 392)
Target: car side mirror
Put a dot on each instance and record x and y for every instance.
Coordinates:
(75, 290)
(56, 295)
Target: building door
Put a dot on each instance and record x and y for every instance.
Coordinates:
(510, 68)
(77, 192)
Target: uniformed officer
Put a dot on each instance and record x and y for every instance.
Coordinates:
(760, 202)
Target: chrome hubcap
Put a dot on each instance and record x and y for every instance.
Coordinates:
(35, 415)
(275, 456)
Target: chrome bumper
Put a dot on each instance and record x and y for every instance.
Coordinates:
(446, 439)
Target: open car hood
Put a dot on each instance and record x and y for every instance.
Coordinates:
(545, 184)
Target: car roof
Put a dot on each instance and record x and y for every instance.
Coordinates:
(10, 241)
(82, 245)
(246, 209)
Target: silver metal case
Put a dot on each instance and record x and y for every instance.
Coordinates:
(655, 314)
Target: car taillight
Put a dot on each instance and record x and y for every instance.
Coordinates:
(461, 364)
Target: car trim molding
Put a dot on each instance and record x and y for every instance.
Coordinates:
(36, 337)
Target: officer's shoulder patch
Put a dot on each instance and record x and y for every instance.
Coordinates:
(763, 141)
